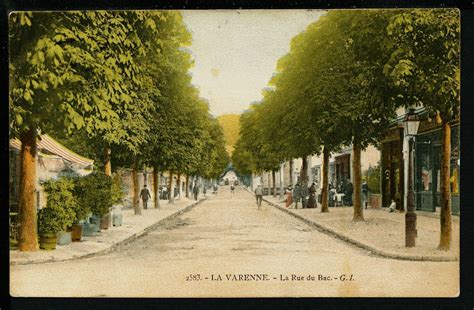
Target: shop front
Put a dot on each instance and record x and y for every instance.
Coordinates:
(428, 154)
(392, 165)
(343, 170)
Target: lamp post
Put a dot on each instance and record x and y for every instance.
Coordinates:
(411, 124)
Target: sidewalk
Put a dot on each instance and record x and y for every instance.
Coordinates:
(132, 227)
(383, 233)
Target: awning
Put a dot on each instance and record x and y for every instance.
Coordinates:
(48, 144)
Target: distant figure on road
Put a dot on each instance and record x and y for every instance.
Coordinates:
(232, 188)
(196, 192)
(145, 195)
(296, 194)
(204, 191)
(215, 189)
(289, 196)
(259, 195)
(312, 196)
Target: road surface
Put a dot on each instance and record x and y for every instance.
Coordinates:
(226, 247)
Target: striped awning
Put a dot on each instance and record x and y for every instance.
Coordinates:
(46, 144)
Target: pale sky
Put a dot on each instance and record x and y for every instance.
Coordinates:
(236, 52)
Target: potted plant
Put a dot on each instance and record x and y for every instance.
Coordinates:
(81, 213)
(50, 222)
(60, 196)
(94, 192)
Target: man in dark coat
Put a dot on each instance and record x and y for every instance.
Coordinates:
(348, 192)
(196, 192)
(296, 194)
(145, 195)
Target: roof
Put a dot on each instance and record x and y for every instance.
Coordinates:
(48, 144)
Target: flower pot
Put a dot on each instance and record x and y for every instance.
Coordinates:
(117, 219)
(48, 241)
(64, 238)
(105, 221)
(89, 230)
(76, 231)
(95, 222)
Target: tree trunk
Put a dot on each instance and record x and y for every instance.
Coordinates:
(291, 172)
(445, 216)
(171, 187)
(282, 192)
(28, 240)
(304, 170)
(356, 172)
(107, 162)
(145, 181)
(274, 183)
(269, 178)
(180, 186)
(136, 190)
(325, 189)
(156, 183)
(187, 186)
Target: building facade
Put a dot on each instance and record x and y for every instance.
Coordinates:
(53, 160)
(427, 164)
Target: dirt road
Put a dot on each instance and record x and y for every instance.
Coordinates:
(226, 247)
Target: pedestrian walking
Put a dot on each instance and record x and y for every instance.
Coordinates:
(259, 195)
(232, 188)
(312, 203)
(365, 194)
(145, 195)
(215, 189)
(296, 194)
(204, 191)
(196, 192)
(289, 196)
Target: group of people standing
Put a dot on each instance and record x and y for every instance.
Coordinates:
(307, 196)
(145, 195)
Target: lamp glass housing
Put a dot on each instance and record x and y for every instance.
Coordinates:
(411, 123)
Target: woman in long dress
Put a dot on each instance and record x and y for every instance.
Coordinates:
(312, 197)
(289, 196)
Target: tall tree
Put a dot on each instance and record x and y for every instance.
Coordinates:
(424, 70)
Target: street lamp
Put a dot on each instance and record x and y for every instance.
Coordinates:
(411, 124)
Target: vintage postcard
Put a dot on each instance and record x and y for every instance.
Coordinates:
(234, 153)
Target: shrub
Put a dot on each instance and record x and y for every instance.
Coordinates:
(52, 219)
(373, 179)
(60, 203)
(94, 193)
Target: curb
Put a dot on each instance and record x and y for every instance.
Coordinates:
(115, 245)
(371, 249)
